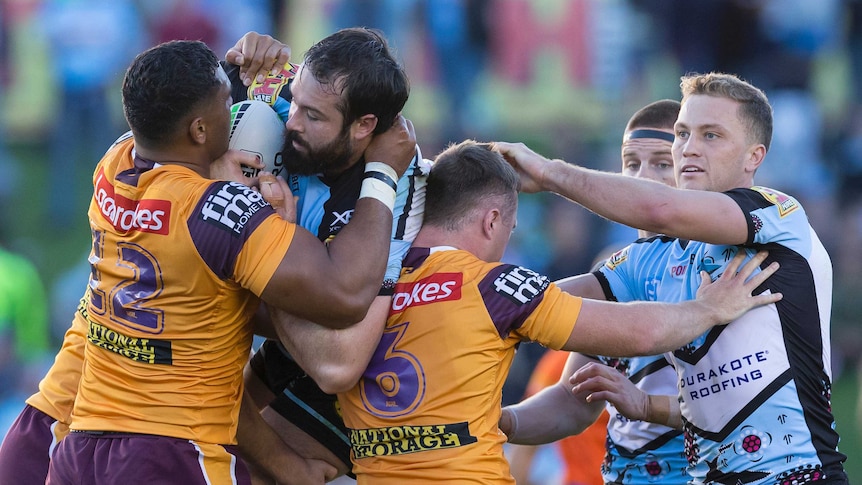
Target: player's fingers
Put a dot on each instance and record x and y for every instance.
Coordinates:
(764, 274)
(271, 190)
(753, 264)
(733, 266)
(277, 55)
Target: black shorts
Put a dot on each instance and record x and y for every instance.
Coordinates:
(300, 401)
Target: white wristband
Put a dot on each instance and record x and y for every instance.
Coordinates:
(380, 190)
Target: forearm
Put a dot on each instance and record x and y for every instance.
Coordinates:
(643, 206)
(551, 414)
(361, 251)
(334, 358)
(263, 448)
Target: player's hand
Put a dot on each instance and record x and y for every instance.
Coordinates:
(229, 166)
(730, 296)
(258, 55)
(276, 191)
(531, 166)
(595, 382)
(395, 147)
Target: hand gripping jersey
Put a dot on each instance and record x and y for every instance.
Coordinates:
(178, 263)
(427, 407)
(755, 394)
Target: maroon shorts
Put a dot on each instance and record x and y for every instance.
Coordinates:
(94, 458)
(26, 450)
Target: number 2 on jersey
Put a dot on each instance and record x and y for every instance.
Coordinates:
(140, 280)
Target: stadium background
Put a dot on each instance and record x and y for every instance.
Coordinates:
(561, 75)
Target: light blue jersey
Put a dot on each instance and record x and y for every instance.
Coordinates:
(639, 452)
(754, 394)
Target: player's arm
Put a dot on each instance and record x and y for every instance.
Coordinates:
(334, 358)
(583, 285)
(334, 284)
(697, 215)
(267, 453)
(650, 328)
(595, 382)
(554, 412)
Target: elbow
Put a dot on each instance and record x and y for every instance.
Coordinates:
(346, 312)
(334, 379)
(660, 218)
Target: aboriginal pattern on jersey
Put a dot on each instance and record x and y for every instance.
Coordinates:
(755, 394)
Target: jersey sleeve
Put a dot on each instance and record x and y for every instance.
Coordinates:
(617, 276)
(527, 305)
(773, 217)
(239, 235)
(407, 219)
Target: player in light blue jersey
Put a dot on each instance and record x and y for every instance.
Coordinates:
(347, 91)
(638, 452)
(754, 396)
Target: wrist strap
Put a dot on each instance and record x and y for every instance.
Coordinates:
(382, 168)
(376, 188)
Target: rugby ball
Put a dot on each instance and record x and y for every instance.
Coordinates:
(256, 128)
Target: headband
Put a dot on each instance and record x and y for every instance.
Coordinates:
(661, 135)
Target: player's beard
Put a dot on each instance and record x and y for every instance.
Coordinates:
(329, 159)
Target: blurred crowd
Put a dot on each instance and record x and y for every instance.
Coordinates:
(560, 75)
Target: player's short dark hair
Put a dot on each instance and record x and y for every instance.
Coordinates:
(357, 64)
(754, 111)
(658, 114)
(164, 84)
(462, 176)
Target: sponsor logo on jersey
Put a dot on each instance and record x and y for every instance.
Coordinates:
(151, 351)
(125, 215)
(341, 219)
(435, 288)
(728, 375)
(784, 202)
(231, 206)
(617, 258)
(520, 284)
(269, 89)
(400, 440)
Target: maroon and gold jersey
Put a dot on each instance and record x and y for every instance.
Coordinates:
(58, 388)
(178, 262)
(426, 409)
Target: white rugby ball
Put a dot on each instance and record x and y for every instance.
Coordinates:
(256, 128)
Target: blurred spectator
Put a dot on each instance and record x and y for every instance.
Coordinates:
(24, 332)
(184, 20)
(91, 42)
(458, 32)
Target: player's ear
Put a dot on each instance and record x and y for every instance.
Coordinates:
(198, 131)
(756, 155)
(364, 126)
(492, 221)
